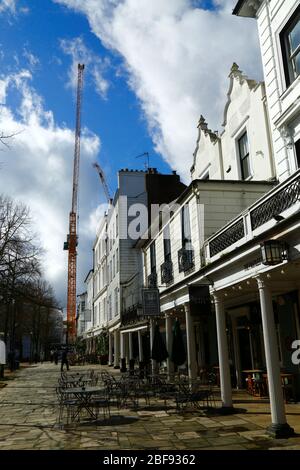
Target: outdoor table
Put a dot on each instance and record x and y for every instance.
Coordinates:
(288, 385)
(84, 396)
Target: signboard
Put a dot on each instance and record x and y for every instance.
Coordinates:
(200, 301)
(150, 302)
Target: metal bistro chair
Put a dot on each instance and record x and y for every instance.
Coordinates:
(65, 404)
(192, 394)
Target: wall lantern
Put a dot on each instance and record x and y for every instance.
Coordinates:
(273, 252)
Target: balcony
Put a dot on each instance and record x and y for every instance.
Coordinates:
(132, 315)
(152, 280)
(278, 204)
(185, 260)
(166, 271)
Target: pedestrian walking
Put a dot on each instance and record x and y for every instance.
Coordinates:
(64, 359)
(2, 358)
(51, 355)
(42, 356)
(55, 356)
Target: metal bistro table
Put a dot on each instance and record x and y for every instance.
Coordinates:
(84, 397)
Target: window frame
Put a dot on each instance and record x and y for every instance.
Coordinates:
(243, 133)
(287, 57)
(186, 237)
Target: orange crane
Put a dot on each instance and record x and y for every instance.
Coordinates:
(72, 238)
(104, 183)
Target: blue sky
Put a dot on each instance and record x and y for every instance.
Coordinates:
(39, 32)
(152, 68)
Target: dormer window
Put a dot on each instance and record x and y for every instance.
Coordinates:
(290, 43)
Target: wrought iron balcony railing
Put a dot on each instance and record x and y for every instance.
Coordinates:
(283, 197)
(131, 315)
(152, 279)
(282, 200)
(227, 238)
(166, 271)
(185, 259)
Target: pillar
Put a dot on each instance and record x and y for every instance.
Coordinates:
(279, 426)
(169, 340)
(191, 346)
(116, 349)
(225, 380)
(130, 346)
(123, 352)
(153, 362)
(110, 349)
(236, 351)
(141, 358)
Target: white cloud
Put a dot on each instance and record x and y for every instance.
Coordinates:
(12, 7)
(37, 171)
(94, 65)
(178, 58)
(8, 5)
(32, 60)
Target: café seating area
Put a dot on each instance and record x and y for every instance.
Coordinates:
(256, 384)
(92, 395)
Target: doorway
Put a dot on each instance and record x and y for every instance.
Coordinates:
(245, 349)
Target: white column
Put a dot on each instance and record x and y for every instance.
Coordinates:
(225, 381)
(130, 346)
(110, 349)
(140, 346)
(153, 362)
(191, 347)
(279, 425)
(122, 345)
(236, 351)
(169, 340)
(116, 349)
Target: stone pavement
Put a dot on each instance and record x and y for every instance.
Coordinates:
(28, 420)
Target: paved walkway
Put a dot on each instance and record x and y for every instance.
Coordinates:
(28, 420)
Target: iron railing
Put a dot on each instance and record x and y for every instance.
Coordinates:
(272, 207)
(131, 315)
(185, 259)
(166, 271)
(152, 279)
(227, 238)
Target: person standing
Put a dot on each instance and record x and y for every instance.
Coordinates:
(64, 359)
(2, 358)
(55, 356)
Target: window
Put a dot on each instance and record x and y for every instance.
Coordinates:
(117, 260)
(290, 44)
(117, 227)
(167, 243)
(297, 150)
(152, 257)
(114, 265)
(185, 227)
(109, 308)
(244, 156)
(116, 302)
(104, 310)
(110, 271)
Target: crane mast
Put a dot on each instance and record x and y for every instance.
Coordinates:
(71, 242)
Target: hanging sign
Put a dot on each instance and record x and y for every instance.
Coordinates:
(150, 302)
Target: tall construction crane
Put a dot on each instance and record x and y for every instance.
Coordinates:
(103, 181)
(71, 242)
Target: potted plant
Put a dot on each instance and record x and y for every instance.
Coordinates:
(102, 347)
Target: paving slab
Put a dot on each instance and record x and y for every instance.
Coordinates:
(29, 420)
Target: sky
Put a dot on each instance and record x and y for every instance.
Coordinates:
(152, 67)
